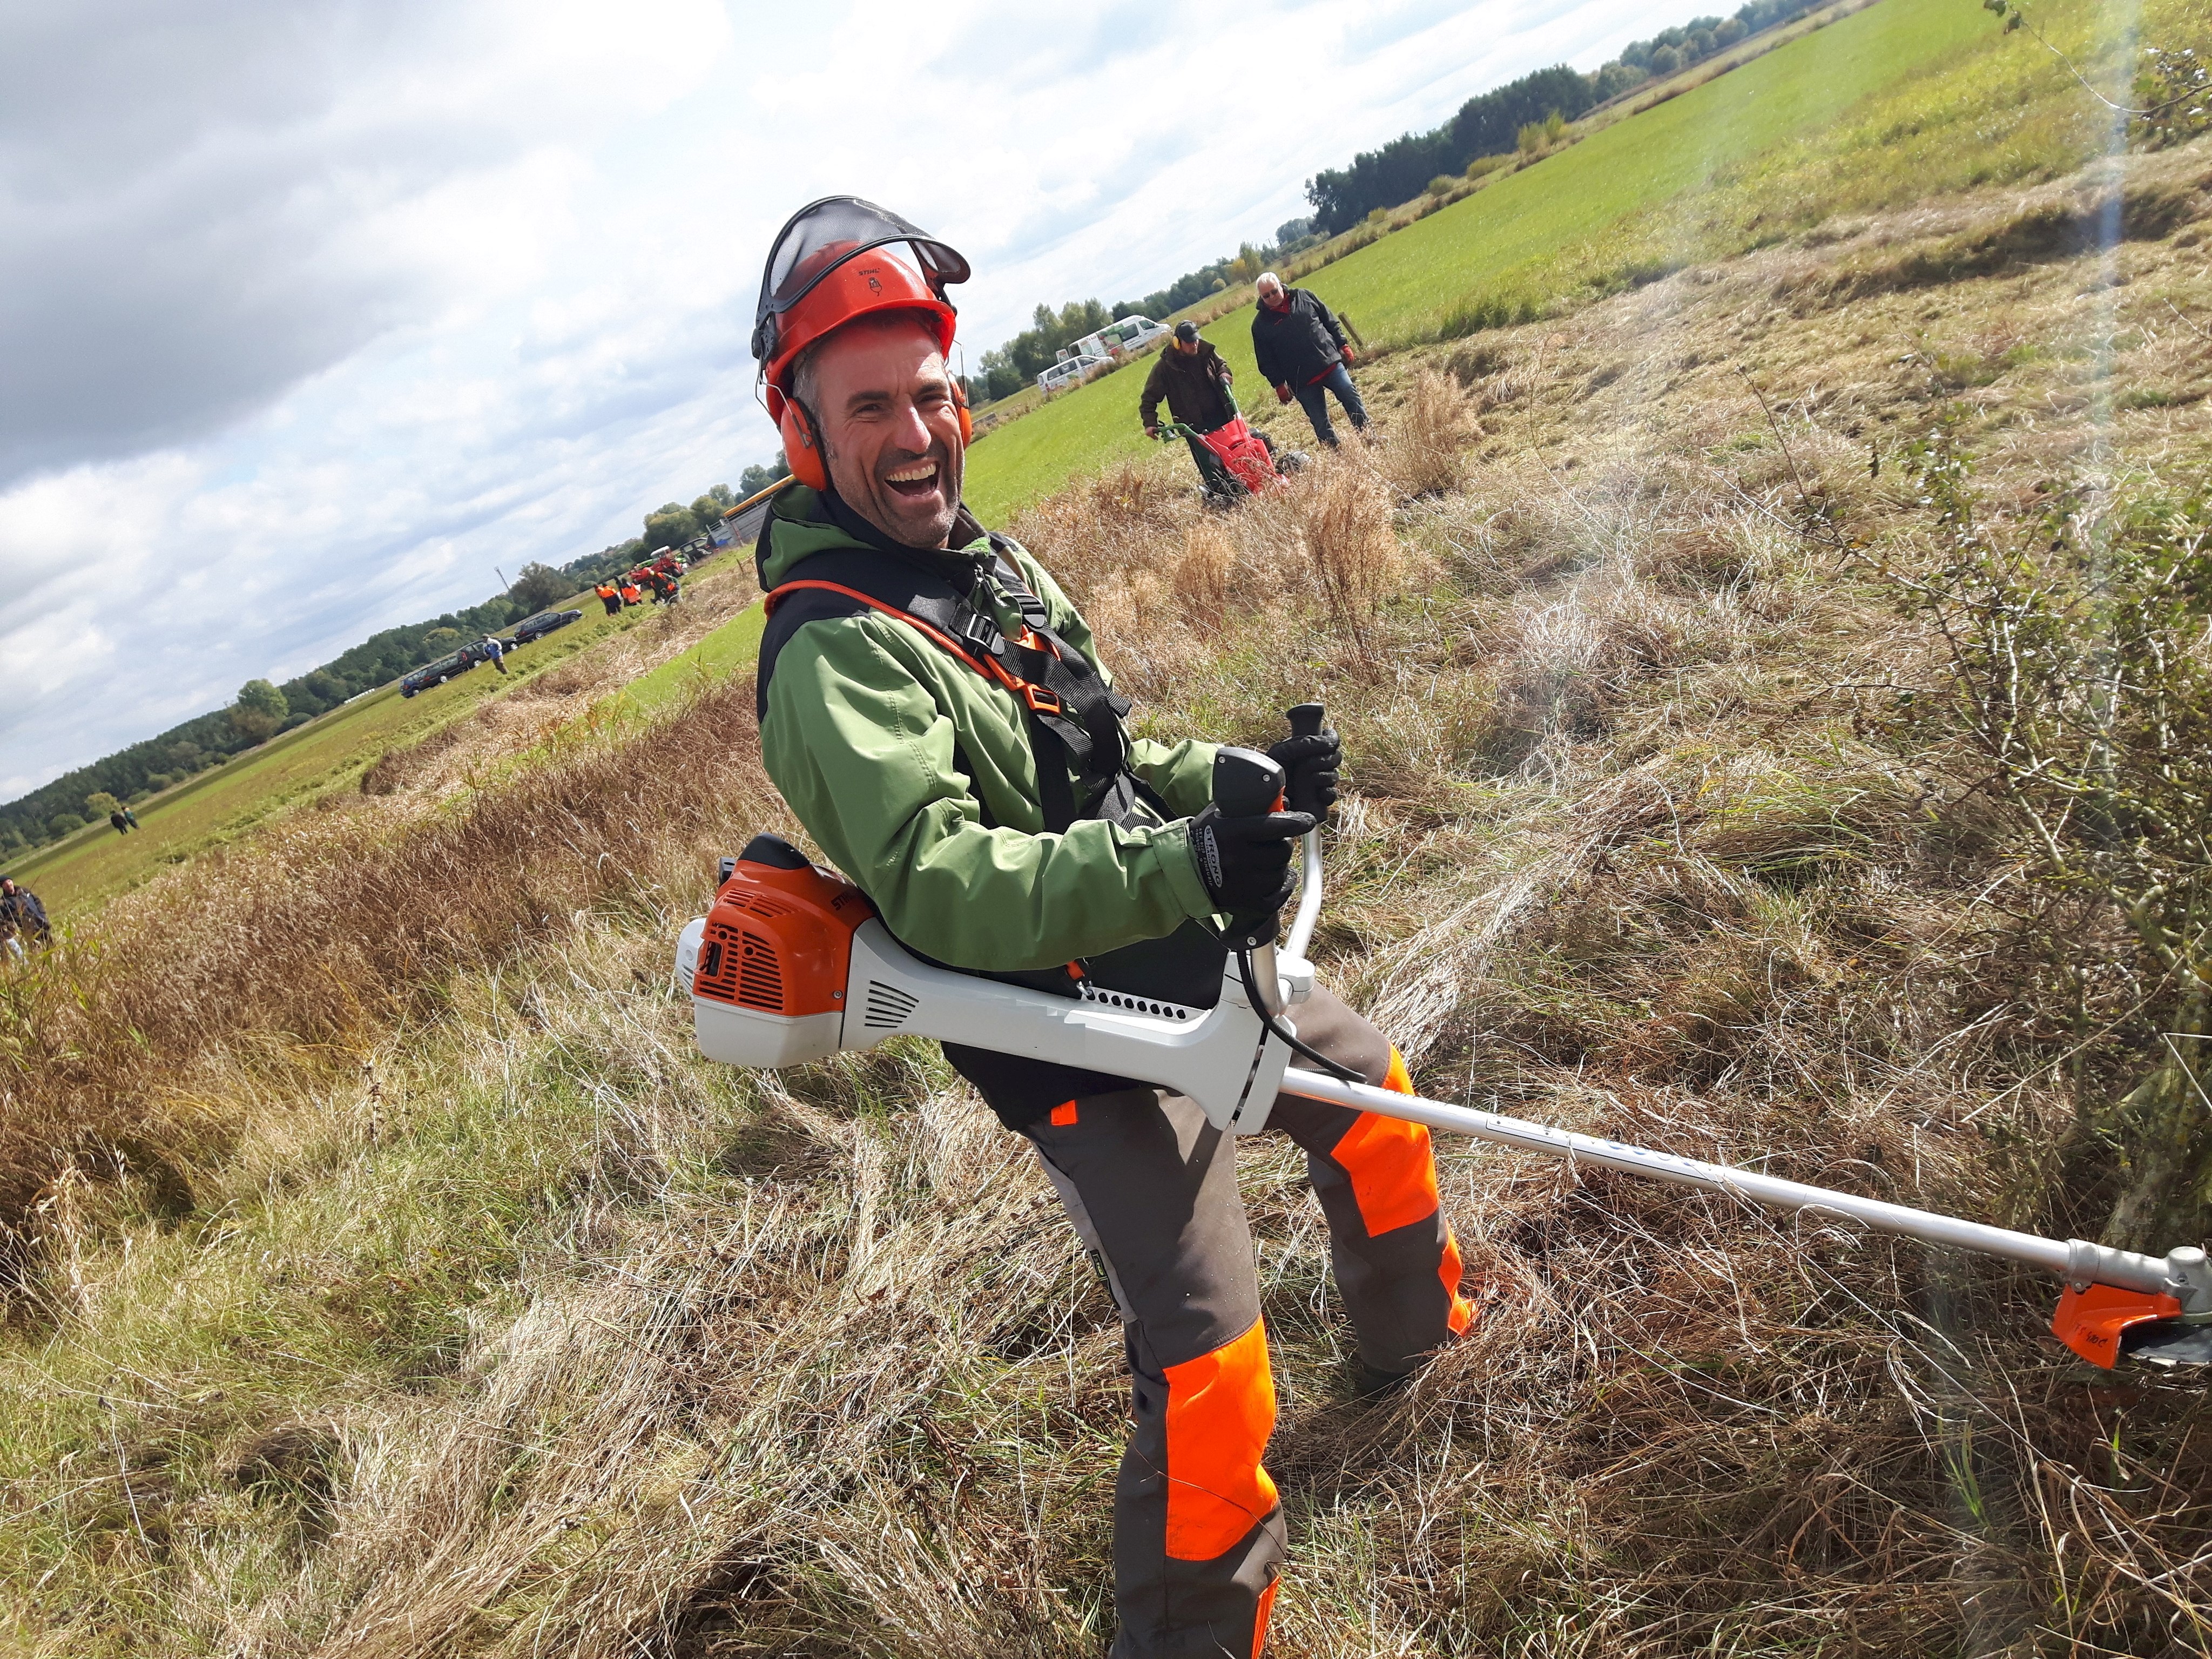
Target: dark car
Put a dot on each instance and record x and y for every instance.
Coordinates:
(538, 627)
(438, 672)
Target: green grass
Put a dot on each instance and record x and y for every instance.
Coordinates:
(327, 753)
(730, 649)
(1904, 99)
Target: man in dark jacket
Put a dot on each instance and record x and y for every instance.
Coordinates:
(1303, 354)
(1195, 382)
(21, 913)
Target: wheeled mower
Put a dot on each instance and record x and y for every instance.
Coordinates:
(1247, 458)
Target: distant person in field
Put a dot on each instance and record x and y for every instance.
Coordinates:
(122, 820)
(1303, 353)
(630, 594)
(495, 652)
(22, 916)
(130, 817)
(610, 597)
(1195, 382)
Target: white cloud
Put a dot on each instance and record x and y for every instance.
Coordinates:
(314, 317)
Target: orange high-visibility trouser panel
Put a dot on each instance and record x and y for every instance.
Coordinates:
(1152, 1189)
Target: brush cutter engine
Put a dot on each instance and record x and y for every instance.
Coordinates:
(791, 964)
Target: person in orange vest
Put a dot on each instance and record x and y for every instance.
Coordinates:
(630, 591)
(610, 597)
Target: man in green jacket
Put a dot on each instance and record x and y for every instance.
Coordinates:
(1003, 822)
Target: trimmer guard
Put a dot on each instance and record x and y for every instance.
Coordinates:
(2093, 1319)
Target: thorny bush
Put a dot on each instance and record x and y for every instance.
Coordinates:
(2076, 670)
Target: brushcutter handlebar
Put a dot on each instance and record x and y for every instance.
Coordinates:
(1307, 721)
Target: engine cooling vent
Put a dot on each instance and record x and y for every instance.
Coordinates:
(760, 903)
(760, 976)
(1134, 1005)
(887, 1007)
(720, 954)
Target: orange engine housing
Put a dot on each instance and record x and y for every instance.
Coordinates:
(780, 941)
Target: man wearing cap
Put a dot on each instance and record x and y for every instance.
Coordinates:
(1302, 352)
(933, 709)
(1190, 374)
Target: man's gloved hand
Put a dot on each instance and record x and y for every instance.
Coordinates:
(1283, 393)
(1311, 765)
(1245, 862)
(1152, 432)
(1350, 356)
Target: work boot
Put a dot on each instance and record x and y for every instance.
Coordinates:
(1373, 1382)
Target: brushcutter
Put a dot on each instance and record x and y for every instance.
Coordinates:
(791, 964)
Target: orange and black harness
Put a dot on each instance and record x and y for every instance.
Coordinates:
(1074, 717)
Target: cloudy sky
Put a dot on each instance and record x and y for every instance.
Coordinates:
(311, 317)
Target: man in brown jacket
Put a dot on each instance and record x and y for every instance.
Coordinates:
(1190, 374)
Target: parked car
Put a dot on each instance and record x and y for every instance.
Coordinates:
(1068, 372)
(538, 627)
(438, 672)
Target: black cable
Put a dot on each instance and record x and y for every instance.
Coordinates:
(1266, 1017)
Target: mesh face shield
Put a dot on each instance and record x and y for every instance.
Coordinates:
(822, 236)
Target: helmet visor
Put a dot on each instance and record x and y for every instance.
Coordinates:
(823, 234)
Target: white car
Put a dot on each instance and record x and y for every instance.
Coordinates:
(1068, 372)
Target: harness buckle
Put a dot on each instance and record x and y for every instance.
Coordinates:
(1040, 701)
(979, 630)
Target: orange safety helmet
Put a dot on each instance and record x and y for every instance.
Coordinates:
(829, 265)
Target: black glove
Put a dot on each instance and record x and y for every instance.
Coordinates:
(1245, 862)
(1310, 765)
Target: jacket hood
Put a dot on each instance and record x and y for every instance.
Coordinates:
(803, 521)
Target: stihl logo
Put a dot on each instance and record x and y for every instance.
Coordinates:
(875, 283)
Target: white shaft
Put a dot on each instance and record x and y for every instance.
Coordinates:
(2075, 1260)
(1301, 926)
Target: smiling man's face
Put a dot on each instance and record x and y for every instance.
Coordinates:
(890, 427)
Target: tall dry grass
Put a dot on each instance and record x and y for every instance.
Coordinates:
(117, 1050)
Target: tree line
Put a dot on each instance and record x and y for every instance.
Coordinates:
(1491, 123)
(262, 708)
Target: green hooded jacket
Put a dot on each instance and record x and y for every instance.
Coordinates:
(914, 773)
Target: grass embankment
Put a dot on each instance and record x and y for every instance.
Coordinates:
(1899, 102)
(333, 751)
(420, 1291)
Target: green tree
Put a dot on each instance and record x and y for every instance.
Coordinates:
(539, 585)
(754, 479)
(669, 526)
(98, 804)
(259, 710)
(61, 823)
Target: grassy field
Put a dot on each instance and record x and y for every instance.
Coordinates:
(386, 1276)
(401, 1283)
(1902, 101)
(332, 752)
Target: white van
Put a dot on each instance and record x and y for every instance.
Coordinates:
(1118, 339)
(1068, 372)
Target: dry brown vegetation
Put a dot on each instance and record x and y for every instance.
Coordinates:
(540, 1335)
